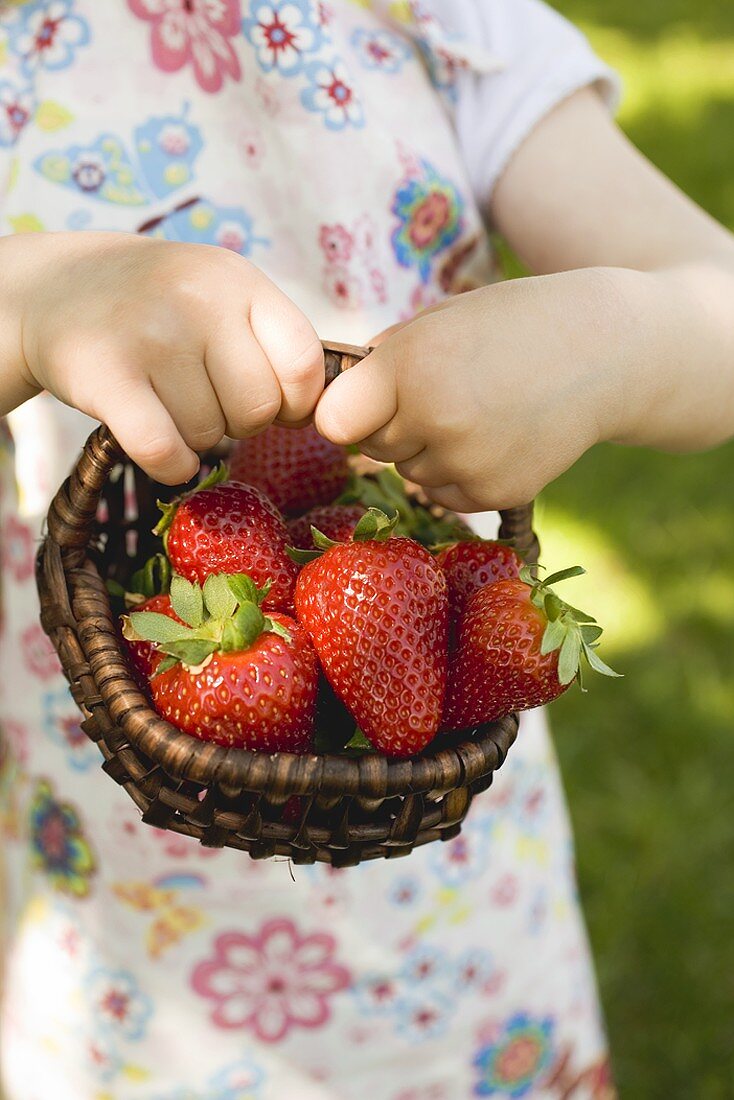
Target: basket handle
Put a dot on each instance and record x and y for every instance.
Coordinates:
(73, 510)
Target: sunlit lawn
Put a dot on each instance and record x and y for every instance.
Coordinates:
(649, 761)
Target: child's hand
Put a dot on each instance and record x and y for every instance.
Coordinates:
(487, 398)
(171, 345)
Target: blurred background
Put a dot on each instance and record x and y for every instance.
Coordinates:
(649, 761)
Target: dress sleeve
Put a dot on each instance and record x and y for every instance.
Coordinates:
(540, 59)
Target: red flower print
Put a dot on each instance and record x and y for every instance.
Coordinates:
(428, 1092)
(343, 289)
(16, 735)
(38, 653)
(272, 982)
(326, 13)
(17, 549)
(193, 32)
(336, 243)
(505, 891)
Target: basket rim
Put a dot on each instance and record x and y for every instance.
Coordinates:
(77, 616)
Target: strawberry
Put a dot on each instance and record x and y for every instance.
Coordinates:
(231, 675)
(469, 565)
(519, 646)
(230, 528)
(143, 655)
(295, 467)
(336, 521)
(376, 609)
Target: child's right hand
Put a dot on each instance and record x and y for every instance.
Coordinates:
(171, 345)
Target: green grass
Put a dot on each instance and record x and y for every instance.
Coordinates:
(649, 761)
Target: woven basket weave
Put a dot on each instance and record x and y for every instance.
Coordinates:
(346, 809)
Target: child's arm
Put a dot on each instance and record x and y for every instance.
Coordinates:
(488, 397)
(171, 345)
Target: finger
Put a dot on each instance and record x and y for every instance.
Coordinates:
(423, 471)
(294, 350)
(188, 394)
(387, 332)
(360, 401)
(452, 498)
(148, 434)
(395, 442)
(243, 381)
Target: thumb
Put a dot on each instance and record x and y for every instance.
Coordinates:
(360, 401)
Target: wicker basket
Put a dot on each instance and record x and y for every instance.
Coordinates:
(348, 809)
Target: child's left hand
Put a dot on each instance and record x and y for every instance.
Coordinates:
(490, 396)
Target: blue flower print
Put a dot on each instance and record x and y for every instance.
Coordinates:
(515, 1058)
(423, 1015)
(426, 991)
(48, 35)
(333, 95)
(381, 50)
(284, 33)
(17, 106)
(165, 151)
(202, 222)
(430, 212)
(118, 1007)
(242, 1080)
(61, 723)
(405, 891)
(465, 857)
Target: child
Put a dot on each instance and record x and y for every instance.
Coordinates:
(349, 150)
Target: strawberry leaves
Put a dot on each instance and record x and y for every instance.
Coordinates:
(374, 526)
(572, 632)
(224, 616)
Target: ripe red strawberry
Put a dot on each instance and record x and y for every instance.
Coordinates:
(143, 655)
(230, 528)
(336, 521)
(232, 676)
(295, 467)
(377, 615)
(519, 646)
(470, 565)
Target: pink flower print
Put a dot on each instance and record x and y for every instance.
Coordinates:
(423, 297)
(193, 32)
(427, 1092)
(379, 285)
(271, 982)
(175, 140)
(336, 243)
(325, 13)
(268, 96)
(252, 147)
(505, 892)
(18, 549)
(38, 653)
(17, 736)
(365, 235)
(342, 288)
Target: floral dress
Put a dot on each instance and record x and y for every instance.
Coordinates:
(346, 148)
